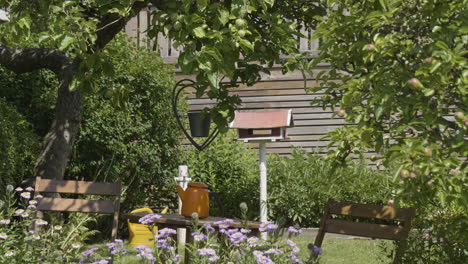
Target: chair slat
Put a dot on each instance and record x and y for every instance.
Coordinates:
(363, 229)
(369, 211)
(76, 205)
(77, 187)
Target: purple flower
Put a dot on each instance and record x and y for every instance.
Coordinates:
(38, 196)
(24, 214)
(213, 258)
(31, 206)
(19, 211)
(293, 246)
(9, 254)
(317, 250)
(198, 236)
(294, 230)
(32, 202)
(245, 231)
(149, 219)
(3, 236)
(209, 228)
(206, 252)
(89, 252)
(268, 227)
(273, 251)
(237, 238)
(223, 224)
(30, 189)
(294, 259)
(177, 257)
(19, 189)
(165, 232)
(5, 221)
(41, 222)
(252, 241)
(26, 195)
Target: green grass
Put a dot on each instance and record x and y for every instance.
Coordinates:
(347, 251)
(335, 251)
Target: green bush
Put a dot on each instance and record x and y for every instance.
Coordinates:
(136, 143)
(299, 187)
(19, 146)
(229, 168)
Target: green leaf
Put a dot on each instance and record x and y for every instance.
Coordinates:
(199, 32)
(66, 41)
(246, 45)
(223, 16)
(202, 4)
(213, 79)
(186, 5)
(269, 2)
(428, 92)
(25, 22)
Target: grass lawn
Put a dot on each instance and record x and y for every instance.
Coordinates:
(348, 251)
(335, 251)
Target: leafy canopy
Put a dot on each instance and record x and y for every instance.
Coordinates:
(402, 76)
(236, 39)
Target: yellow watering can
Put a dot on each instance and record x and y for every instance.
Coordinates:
(140, 234)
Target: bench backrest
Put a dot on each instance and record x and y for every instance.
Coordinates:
(397, 226)
(80, 205)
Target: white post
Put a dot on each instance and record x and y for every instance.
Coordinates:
(183, 181)
(263, 187)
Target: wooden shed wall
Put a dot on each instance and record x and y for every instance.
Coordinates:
(275, 91)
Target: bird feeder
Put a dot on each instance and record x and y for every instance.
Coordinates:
(262, 126)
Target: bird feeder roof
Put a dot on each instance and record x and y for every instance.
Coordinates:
(262, 119)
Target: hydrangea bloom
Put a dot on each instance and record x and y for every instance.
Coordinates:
(149, 218)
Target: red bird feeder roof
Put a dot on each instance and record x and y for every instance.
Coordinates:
(262, 119)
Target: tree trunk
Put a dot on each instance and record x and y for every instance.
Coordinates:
(58, 143)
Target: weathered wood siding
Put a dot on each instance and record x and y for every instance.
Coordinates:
(275, 91)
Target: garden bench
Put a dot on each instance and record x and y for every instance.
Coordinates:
(80, 205)
(396, 227)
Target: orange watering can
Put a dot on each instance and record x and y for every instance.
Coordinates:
(195, 199)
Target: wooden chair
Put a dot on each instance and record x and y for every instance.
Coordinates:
(397, 227)
(80, 205)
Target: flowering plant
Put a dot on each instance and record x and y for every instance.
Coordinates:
(25, 239)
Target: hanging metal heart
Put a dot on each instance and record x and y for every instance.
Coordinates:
(178, 88)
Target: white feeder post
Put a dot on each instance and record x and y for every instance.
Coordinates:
(263, 187)
(183, 181)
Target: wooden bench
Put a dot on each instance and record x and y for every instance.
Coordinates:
(397, 226)
(80, 205)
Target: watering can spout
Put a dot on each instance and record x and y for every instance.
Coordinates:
(181, 192)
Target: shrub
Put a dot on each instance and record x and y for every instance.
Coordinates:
(136, 143)
(299, 187)
(18, 146)
(229, 168)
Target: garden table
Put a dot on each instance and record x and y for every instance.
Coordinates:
(179, 221)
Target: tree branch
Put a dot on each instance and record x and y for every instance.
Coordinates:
(31, 59)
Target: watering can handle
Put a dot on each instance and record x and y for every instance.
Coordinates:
(215, 195)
